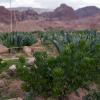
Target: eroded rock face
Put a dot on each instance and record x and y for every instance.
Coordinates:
(5, 15)
(29, 15)
(3, 49)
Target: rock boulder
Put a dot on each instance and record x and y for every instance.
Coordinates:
(3, 49)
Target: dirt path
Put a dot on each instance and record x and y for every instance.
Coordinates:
(6, 59)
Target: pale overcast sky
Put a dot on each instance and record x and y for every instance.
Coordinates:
(50, 3)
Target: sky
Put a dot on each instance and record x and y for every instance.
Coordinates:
(51, 4)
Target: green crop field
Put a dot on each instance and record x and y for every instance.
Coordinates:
(75, 65)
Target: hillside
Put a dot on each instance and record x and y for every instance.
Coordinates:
(4, 15)
(63, 17)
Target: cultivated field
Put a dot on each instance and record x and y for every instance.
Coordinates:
(50, 65)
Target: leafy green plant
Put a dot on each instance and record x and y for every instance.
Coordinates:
(17, 39)
(60, 39)
(77, 65)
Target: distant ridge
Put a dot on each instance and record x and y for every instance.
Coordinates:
(80, 13)
(38, 10)
(87, 11)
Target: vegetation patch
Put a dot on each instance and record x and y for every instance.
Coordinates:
(77, 65)
(17, 39)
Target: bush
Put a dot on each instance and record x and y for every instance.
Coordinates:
(17, 39)
(22, 60)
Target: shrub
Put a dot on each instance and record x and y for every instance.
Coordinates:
(93, 95)
(76, 66)
(22, 60)
(17, 39)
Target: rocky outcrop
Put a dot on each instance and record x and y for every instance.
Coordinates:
(3, 49)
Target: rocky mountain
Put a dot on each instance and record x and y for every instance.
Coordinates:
(38, 10)
(63, 17)
(87, 11)
(63, 12)
(6, 15)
